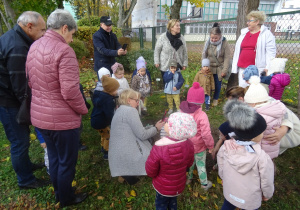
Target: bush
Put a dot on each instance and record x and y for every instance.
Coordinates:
(125, 40)
(95, 21)
(79, 48)
(85, 33)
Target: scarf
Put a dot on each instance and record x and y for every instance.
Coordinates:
(174, 40)
(218, 44)
(144, 85)
(247, 145)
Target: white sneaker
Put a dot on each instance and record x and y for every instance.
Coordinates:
(209, 185)
(170, 111)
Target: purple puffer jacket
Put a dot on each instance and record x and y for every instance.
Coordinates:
(52, 67)
(277, 84)
(167, 165)
(273, 113)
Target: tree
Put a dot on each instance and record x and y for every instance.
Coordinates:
(244, 7)
(123, 13)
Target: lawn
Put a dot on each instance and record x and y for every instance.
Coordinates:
(105, 192)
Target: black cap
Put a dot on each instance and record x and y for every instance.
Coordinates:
(106, 20)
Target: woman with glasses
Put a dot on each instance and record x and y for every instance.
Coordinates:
(129, 147)
(255, 46)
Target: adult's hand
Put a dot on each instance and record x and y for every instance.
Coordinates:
(276, 137)
(159, 125)
(223, 74)
(184, 67)
(156, 65)
(121, 51)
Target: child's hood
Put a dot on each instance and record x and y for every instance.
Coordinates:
(173, 151)
(241, 160)
(275, 109)
(283, 79)
(189, 108)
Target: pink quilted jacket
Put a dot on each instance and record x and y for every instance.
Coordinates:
(167, 165)
(277, 84)
(57, 103)
(273, 113)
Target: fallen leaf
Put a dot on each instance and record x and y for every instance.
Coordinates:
(195, 194)
(213, 185)
(203, 197)
(133, 193)
(216, 206)
(5, 145)
(291, 167)
(214, 195)
(112, 205)
(100, 197)
(219, 180)
(74, 183)
(126, 194)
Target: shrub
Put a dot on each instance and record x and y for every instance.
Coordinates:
(95, 21)
(85, 33)
(125, 40)
(79, 48)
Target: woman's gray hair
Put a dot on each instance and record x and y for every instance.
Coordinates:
(29, 17)
(59, 18)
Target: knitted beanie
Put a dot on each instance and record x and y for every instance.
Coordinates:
(173, 63)
(250, 71)
(181, 126)
(110, 85)
(116, 66)
(196, 94)
(226, 129)
(205, 62)
(103, 71)
(256, 92)
(140, 63)
(244, 120)
(277, 65)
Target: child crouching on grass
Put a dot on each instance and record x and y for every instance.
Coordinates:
(203, 139)
(246, 170)
(169, 159)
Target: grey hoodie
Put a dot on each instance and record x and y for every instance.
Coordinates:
(246, 176)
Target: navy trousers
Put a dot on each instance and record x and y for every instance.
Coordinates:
(165, 203)
(62, 146)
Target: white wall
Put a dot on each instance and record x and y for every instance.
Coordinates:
(144, 14)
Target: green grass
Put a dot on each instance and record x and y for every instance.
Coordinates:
(93, 176)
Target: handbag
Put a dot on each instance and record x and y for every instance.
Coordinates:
(23, 116)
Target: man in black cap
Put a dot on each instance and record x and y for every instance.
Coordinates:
(106, 45)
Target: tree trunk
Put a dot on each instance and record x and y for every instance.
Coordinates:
(60, 4)
(124, 15)
(1, 28)
(10, 13)
(89, 12)
(8, 25)
(244, 8)
(97, 8)
(175, 9)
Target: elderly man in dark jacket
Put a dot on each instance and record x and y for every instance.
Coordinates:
(106, 45)
(14, 46)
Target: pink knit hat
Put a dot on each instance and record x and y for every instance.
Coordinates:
(182, 126)
(196, 94)
(115, 67)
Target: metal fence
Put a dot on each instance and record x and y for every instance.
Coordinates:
(284, 26)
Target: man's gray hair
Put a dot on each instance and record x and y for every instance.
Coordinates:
(59, 18)
(29, 17)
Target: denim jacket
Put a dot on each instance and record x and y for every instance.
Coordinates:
(173, 80)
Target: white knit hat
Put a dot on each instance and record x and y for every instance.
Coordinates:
(277, 65)
(256, 92)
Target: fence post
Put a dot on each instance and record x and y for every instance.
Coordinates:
(141, 38)
(182, 29)
(153, 37)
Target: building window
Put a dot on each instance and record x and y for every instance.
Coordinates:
(267, 8)
(229, 10)
(183, 10)
(210, 11)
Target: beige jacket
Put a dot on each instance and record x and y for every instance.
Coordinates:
(205, 81)
(224, 58)
(246, 176)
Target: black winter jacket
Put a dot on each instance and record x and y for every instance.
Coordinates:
(14, 47)
(106, 46)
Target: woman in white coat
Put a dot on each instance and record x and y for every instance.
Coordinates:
(255, 46)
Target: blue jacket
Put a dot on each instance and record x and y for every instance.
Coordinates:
(106, 46)
(103, 111)
(172, 80)
(147, 72)
(14, 47)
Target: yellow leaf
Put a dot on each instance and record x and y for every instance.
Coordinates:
(51, 189)
(7, 159)
(195, 194)
(214, 195)
(216, 206)
(162, 96)
(5, 145)
(203, 197)
(74, 183)
(213, 185)
(133, 193)
(100, 197)
(219, 180)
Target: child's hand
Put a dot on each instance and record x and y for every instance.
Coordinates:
(159, 125)
(264, 198)
(43, 145)
(211, 150)
(174, 88)
(213, 153)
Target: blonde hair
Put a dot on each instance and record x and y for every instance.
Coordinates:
(236, 92)
(172, 23)
(126, 94)
(257, 15)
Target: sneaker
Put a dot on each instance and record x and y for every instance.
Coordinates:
(215, 102)
(105, 155)
(207, 107)
(209, 185)
(170, 111)
(78, 199)
(188, 181)
(36, 184)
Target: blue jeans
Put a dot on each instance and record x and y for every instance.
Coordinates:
(62, 146)
(218, 85)
(228, 206)
(163, 202)
(18, 136)
(207, 99)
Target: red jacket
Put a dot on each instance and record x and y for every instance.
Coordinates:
(53, 71)
(167, 165)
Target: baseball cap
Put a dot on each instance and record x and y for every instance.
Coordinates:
(106, 20)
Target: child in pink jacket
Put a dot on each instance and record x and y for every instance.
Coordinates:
(272, 111)
(203, 139)
(246, 170)
(169, 159)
